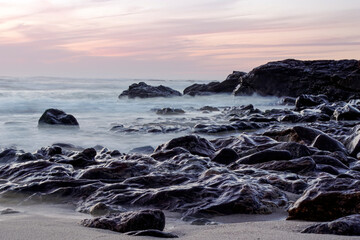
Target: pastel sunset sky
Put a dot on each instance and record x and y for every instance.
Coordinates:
(170, 39)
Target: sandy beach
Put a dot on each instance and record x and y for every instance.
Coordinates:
(43, 222)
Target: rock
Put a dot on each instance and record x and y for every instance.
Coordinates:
(348, 112)
(352, 143)
(143, 150)
(8, 211)
(296, 150)
(298, 134)
(82, 159)
(305, 101)
(170, 111)
(349, 226)
(57, 117)
(301, 165)
(265, 156)
(99, 209)
(338, 80)
(225, 156)
(167, 154)
(226, 86)
(288, 101)
(142, 90)
(129, 221)
(152, 233)
(327, 143)
(193, 143)
(327, 199)
(209, 108)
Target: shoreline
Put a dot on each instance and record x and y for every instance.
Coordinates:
(60, 222)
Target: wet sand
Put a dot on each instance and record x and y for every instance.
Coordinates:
(59, 223)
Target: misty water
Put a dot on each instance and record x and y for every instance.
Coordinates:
(95, 104)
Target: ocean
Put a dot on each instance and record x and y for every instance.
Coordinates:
(95, 104)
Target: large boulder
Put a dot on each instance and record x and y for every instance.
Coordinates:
(129, 221)
(57, 117)
(349, 226)
(226, 86)
(339, 80)
(352, 143)
(327, 199)
(142, 90)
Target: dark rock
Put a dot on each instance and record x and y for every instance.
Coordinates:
(265, 156)
(8, 155)
(288, 101)
(298, 134)
(209, 108)
(57, 117)
(325, 142)
(329, 160)
(82, 159)
(143, 150)
(129, 221)
(225, 156)
(142, 90)
(348, 112)
(99, 209)
(296, 150)
(305, 101)
(194, 144)
(8, 211)
(152, 233)
(300, 165)
(352, 143)
(167, 154)
(339, 80)
(349, 226)
(327, 199)
(226, 86)
(170, 111)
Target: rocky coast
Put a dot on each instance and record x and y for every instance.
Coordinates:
(301, 160)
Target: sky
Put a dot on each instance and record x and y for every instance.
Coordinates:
(170, 39)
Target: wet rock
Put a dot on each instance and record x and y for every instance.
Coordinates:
(296, 150)
(339, 80)
(57, 117)
(329, 160)
(298, 134)
(8, 155)
(8, 211)
(99, 209)
(142, 90)
(129, 221)
(234, 126)
(82, 159)
(143, 150)
(352, 143)
(349, 226)
(209, 108)
(327, 199)
(170, 111)
(265, 156)
(152, 233)
(167, 154)
(288, 101)
(305, 101)
(348, 112)
(226, 86)
(300, 165)
(225, 156)
(194, 144)
(325, 142)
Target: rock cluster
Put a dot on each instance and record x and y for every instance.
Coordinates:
(142, 90)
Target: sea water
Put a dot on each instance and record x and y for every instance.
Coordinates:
(95, 104)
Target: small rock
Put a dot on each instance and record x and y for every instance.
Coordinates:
(57, 117)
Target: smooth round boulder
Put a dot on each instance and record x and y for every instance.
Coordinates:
(57, 117)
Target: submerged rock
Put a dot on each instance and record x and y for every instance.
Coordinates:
(349, 226)
(338, 80)
(129, 221)
(57, 117)
(170, 111)
(142, 90)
